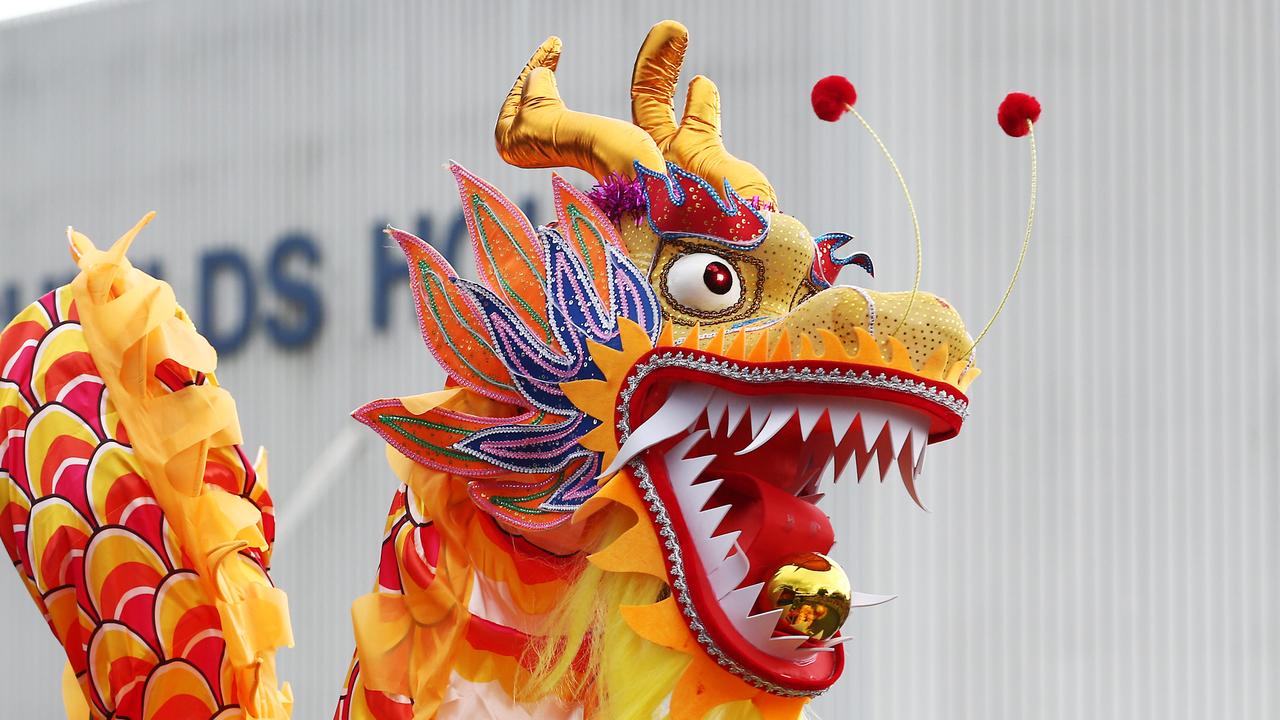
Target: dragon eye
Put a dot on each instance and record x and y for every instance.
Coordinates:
(703, 282)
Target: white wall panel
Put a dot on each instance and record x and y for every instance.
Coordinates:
(1101, 541)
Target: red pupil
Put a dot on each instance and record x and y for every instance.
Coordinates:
(718, 278)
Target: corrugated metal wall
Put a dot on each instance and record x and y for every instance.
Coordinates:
(1101, 541)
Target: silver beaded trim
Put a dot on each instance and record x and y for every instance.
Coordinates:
(732, 369)
(680, 589)
(735, 370)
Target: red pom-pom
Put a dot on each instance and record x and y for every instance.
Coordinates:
(832, 97)
(1015, 111)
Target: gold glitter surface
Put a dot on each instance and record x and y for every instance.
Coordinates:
(775, 281)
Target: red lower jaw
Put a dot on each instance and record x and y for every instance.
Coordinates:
(806, 418)
(762, 489)
(779, 676)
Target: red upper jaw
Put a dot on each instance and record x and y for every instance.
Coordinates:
(727, 488)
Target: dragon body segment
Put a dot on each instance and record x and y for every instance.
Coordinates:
(137, 522)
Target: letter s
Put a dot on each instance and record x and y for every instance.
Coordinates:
(301, 322)
(231, 263)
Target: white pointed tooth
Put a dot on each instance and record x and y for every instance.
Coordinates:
(681, 409)
(874, 425)
(848, 472)
(873, 470)
(909, 447)
(873, 422)
(899, 432)
(688, 470)
(780, 412)
(921, 433)
(836, 641)
(693, 498)
(758, 629)
(738, 603)
(827, 477)
(842, 415)
(863, 461)
(919, 441)
(713, 550)
(683, 471)
(759, 413)
(729, 574)
(703, 524)
(810, 412)
(904, 423)
(786, 647)
(715, 411)
(861, 599)
(736, 407)
(906, 469)
(917, 438)
(900, 466)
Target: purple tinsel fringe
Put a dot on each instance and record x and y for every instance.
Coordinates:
(617, 196)
(758, 203)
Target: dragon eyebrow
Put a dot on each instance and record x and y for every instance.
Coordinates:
(722, 217)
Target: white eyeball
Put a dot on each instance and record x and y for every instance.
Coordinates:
(703, 282)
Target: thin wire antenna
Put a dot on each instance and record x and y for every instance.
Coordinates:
(911, 207)
(1026, 242)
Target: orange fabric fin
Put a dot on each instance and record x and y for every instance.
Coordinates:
(509, 257)
(428, 435)
(586, 230)
(450, 324)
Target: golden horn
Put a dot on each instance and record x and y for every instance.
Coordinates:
(654, 78)
(696, 143)
(536, 130)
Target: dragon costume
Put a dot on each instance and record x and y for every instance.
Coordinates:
(612, 510)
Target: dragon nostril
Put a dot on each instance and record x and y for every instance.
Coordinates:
(718, 278)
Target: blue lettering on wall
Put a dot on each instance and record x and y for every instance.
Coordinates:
(227, 265)
(228, 285)
(305, 316)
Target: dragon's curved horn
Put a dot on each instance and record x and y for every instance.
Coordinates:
(653, 80)
(536, 130)
(696, 143)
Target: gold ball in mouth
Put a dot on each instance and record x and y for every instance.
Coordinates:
(814, 592)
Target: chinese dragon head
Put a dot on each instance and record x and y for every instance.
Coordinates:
(612, 509)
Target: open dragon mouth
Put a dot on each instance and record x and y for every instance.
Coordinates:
(739, 456)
